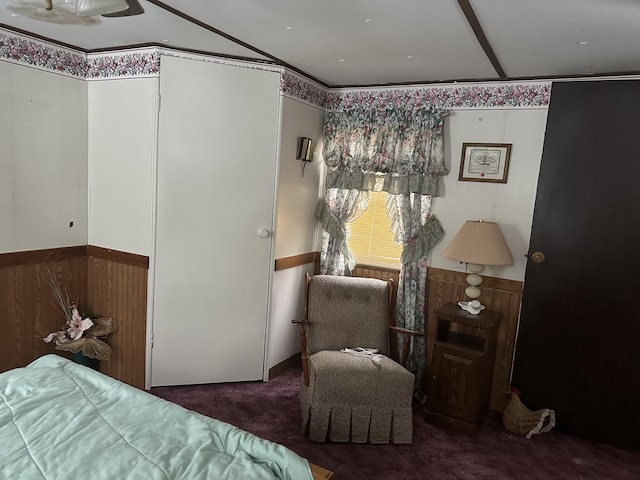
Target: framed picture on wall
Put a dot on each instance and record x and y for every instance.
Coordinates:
(485, 162)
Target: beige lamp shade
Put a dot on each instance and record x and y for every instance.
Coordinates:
(480, 243)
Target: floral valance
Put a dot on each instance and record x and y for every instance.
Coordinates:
(393, 150)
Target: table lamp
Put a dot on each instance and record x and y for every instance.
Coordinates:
(478, 243)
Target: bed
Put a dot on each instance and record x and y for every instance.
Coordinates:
(61, 420)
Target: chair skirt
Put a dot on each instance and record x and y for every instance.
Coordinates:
(352, 399)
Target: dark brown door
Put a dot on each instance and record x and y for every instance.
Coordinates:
(578, 349)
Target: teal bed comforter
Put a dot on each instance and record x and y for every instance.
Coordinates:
(60, 420)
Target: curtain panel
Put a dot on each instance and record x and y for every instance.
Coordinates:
(394, 150)
(338, 208)
(418, 231)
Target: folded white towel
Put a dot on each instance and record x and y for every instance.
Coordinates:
(365, 352)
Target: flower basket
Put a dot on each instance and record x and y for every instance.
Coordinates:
(82, 359)
(80, 335)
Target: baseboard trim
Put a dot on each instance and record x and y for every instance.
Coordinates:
(284, 366)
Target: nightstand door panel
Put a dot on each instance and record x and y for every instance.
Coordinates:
(455, 389)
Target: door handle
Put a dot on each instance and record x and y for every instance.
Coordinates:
(264, 233)
(537, 257)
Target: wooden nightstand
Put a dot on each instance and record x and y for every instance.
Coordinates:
(462, 363)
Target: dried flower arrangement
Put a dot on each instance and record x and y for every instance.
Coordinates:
(80, 334)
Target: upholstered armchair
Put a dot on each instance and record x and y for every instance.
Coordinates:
(346, 396)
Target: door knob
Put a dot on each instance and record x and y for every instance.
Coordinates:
(537, 257)
(264, 233)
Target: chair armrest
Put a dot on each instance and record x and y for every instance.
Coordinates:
(406, 331)
(303, 348)
(406, 343)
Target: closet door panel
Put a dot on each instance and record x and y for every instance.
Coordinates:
(218, 131)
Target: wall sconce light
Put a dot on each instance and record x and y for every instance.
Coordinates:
(478, 243)
(306, 146)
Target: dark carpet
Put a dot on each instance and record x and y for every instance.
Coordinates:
(272, 411)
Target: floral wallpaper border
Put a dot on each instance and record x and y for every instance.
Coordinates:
(502, 95)
(56, 59)
(498, 95)
(142, 63)
(298, 87)
(146, 63)
(37, 54)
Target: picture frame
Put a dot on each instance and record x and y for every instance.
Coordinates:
(485, 162)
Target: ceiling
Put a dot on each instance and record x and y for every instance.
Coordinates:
(367, 42)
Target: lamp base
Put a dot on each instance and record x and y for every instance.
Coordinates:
(472, 292)
(473, 280)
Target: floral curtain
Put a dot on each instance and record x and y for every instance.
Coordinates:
(399, 151)
(418, 231)
(338, 208)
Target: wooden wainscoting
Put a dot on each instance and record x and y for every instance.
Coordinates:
(504, 296)
(117, 287)
(28, 309)
(103, 281)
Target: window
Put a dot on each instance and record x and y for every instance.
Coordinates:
(371, 241)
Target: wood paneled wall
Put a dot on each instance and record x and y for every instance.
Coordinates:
(117, 287)
(28, 308)
(105, 282)
(504, 296)
(444, 286)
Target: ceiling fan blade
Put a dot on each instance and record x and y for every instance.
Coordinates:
(134, 9)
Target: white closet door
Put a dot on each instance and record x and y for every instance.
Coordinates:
(217, 147)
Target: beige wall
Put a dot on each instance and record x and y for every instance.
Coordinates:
(122, 147)
(43, 159)
(509, 204)
(296, 226)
